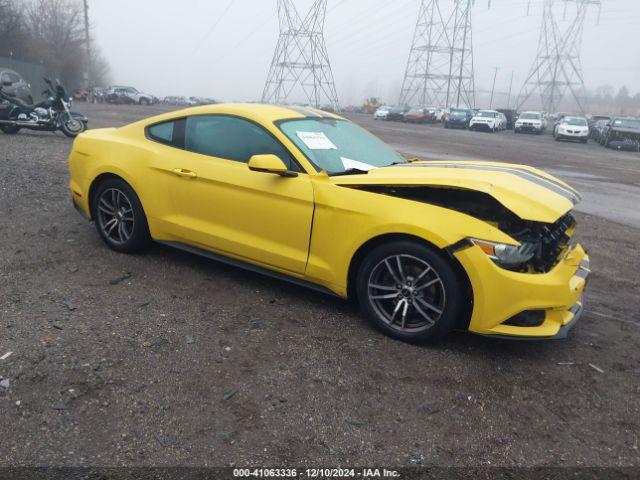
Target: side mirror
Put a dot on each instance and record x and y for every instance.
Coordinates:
(270, 164)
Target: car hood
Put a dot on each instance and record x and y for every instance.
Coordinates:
(529, 193)
(632, 131)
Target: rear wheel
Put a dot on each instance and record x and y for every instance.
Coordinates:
(9, 129)
(409, 291)
(120, 219)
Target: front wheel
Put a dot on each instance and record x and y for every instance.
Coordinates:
(409, 291)
(119, 217)
(72, 127)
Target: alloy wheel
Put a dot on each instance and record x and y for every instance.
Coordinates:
(74, 125)
(407, 293)
(115, 216)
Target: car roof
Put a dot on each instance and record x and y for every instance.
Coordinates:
(255, 111)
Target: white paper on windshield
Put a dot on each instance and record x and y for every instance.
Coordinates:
(316, 141)
(348, 163)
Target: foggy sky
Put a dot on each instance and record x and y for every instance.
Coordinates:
(223, 48)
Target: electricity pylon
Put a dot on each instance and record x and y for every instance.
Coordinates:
(440, 67)
(557, 68)
(300, 69)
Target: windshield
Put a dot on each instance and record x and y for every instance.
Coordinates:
(338, 145)
(398, 109)
(487, 114)
(530, 116)
(458, 113)
(627, 123)
(578, 122)
(415, 110)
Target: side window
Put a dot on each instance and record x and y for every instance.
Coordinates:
(5, 78)
(169, 133)
(232, 138)
(13, 78)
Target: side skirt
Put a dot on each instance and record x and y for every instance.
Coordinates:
(248, 266)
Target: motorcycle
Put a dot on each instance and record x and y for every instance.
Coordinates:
(50, 115)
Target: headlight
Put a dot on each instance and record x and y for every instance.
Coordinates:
(507, 255)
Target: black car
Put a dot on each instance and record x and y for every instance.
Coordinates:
(511, 115)
(396, 114)
(596, 118)
(597, 128)
(458, 118)
(622, 133)
(15, 85)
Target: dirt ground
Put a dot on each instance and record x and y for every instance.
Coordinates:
(166, 358)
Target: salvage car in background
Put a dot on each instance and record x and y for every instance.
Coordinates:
(396, 114)
(530, 122)
(597, 129)
(420, 115)
(128, 95)
(488, 121)
(572, 128)
(307, 196)
(382, 113)
(596, 118)
(510, 115)
(622, 133)
(458, 118)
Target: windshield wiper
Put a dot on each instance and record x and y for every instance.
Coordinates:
(349, 171)
(404, 162)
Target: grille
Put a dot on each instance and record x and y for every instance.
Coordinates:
(552, 242)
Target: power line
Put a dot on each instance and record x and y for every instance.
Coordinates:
(213, 27)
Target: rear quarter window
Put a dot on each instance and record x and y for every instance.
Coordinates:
(162, 132)
(169, 133)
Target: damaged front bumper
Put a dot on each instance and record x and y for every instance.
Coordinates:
(500, 296)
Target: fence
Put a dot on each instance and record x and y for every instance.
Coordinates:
(31, 72)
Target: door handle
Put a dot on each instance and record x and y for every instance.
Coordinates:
(181, 172)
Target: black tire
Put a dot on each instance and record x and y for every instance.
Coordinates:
(9, 129)
(115, 199)
(73, 127)
(144, 101)
(438, 287)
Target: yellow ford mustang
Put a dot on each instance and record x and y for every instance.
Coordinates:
(303, 195)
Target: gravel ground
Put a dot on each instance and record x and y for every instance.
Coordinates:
(166, 358)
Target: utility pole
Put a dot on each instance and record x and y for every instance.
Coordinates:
(493, 88)
(557, 68)
(87, 42)
(439, 70)
(300, 69)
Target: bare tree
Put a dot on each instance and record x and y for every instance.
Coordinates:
(50, 32)
(12, 32)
